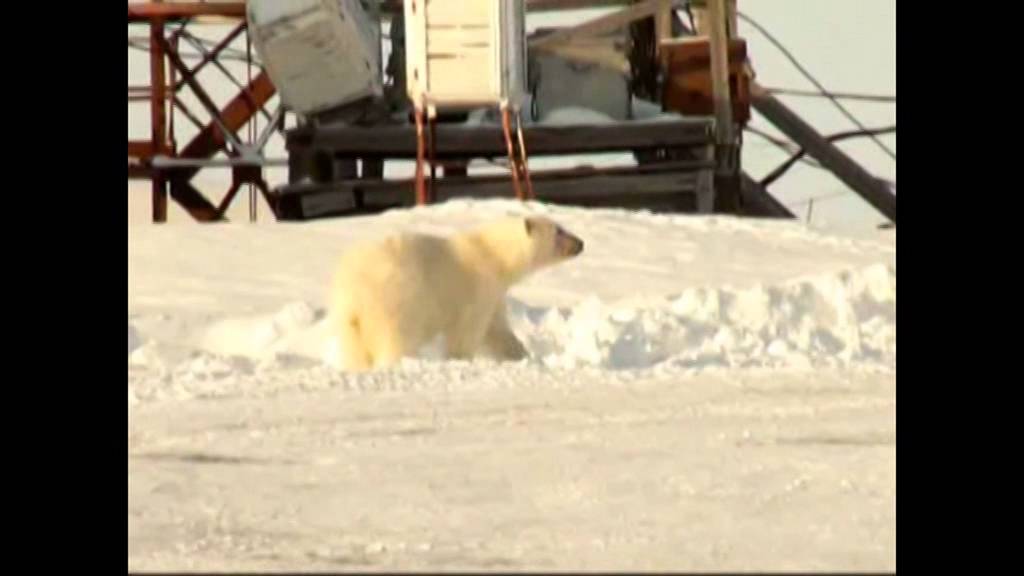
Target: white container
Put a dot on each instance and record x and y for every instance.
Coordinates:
(320, 54)
(565, 84)
(465, 53)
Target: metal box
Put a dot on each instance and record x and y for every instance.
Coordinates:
(561, 83)
(320, 54)
(465, 53)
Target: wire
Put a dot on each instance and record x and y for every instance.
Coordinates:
(836, 95)
(142, 44)
(784, 145)
(785, 166)
(814, 81)
(831, 196)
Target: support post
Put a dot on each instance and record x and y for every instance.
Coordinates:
(727, 189)
(158, 115)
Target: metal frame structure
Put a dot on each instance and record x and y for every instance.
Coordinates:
(649, 22)
(159, 159)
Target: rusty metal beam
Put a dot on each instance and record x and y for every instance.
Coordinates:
(158, 113)
(200, 93)
(210, 56)
(139, 172)
(211, 137)
(193, 201)
(234, 115)
(140, 149)
(226, 201)
(143, 11)
(188, 113)
(150, 11)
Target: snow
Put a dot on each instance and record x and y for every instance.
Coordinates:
(702, 393)
(133, 339)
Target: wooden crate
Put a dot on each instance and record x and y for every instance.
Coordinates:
(687, 66)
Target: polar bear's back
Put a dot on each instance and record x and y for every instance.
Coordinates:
(403, 283)
(400, 258)
(394, 296)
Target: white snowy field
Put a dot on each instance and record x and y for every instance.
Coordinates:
(702, 394)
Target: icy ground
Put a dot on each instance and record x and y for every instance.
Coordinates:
(703, 394)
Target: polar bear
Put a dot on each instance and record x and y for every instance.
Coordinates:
(391, 298)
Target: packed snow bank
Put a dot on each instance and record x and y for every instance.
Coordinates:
(843, 320)
(834, 319)
(239, 309)
(771, 345)
(133, 339)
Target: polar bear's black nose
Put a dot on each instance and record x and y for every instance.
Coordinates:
(570, 245)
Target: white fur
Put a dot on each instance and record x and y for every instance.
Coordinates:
(391, 298)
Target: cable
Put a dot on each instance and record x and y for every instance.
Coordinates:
(784, 145)
(785, 166)
(836, 95)
(831, 196)
(142, 44)
(814, 81)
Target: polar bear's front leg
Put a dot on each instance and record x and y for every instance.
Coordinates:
(499, 341)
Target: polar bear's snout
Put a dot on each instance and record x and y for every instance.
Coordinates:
(568, 245)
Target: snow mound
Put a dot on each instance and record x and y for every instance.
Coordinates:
(134, 341)
(828, 320)
(835, 320)
(296, 328)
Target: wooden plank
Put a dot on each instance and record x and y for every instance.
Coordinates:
(716, 32)
(455, 140)
(580, 190)
(601, 25)
(605, 55)
(663, 22)
(666, 186)
(687, 84)
(393, 6)
(341, 201)
(728, 188)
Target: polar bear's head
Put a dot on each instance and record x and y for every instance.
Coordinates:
(549, 242)
(517, 246)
